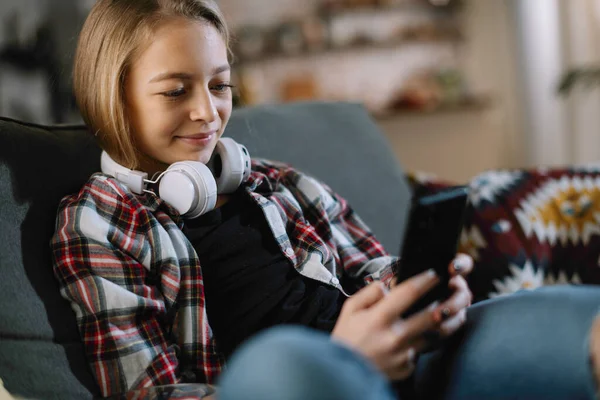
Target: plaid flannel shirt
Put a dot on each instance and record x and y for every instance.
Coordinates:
(135, 282)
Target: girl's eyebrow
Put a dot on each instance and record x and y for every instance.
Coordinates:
(222, 68)
(185, 76)
(170, 75)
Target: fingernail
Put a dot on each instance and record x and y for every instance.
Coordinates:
(445, 314)
(457, 266)
(440, 316)
(460, 262)
(411, 355)
(411, 358)
(430, 273)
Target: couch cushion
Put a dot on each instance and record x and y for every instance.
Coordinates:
(39, 165)
(341, 145)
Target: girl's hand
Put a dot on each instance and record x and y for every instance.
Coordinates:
(452, 313)
(370, 323)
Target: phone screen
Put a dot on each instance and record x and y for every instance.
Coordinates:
(431, 239)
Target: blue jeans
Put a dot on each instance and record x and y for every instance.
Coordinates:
(530, 345)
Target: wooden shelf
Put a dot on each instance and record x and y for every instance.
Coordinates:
(405, 6)
(359, 47)
(432, 33)
(472, 104)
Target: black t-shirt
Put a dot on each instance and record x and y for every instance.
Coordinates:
(249, 284)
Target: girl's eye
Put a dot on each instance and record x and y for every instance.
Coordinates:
(223, 87)
(174, 93)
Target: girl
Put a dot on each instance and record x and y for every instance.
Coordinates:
(167, 280)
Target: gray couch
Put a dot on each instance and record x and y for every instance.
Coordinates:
(40, 351)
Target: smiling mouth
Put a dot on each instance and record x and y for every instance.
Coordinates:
(199, 139)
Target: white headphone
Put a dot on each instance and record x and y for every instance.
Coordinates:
(190, 187)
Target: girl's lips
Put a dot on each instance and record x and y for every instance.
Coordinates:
(200, 139)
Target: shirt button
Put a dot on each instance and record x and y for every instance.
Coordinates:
(289, 251)
(335, 281)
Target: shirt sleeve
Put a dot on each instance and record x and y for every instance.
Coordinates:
(103, 264)
(360, 253)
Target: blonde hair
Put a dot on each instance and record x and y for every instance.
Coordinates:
(108, 43)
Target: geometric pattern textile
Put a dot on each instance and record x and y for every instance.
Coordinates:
(529, 228)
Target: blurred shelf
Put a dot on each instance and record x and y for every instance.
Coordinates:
(469, 105)
(358, 47)
(451, 8)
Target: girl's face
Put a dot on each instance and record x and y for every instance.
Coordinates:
(178, 94)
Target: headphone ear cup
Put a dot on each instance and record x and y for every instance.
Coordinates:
(189, 187)
(247, 162)
(230, 165)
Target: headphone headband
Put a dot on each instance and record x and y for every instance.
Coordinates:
(133, 179)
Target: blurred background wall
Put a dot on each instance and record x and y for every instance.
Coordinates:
(37, 41)
(457, 86)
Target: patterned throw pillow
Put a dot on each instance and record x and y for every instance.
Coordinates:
(529, 228)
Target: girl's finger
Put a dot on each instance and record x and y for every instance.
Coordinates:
(460, 299)
(402, 365)
(405, 332)
(461, 265)
(421, 343)
(405, 294)
(404, 358)
(450, 326)
(366, 297)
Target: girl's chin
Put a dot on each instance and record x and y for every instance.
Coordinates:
(200, 156)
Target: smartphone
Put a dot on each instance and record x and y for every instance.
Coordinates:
(431, 239)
